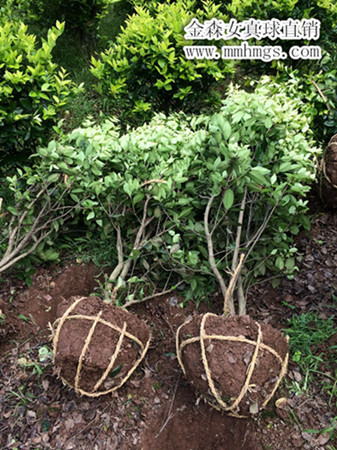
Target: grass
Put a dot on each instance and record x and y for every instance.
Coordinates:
(306, 332)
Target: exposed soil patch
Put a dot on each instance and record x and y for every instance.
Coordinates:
(47, 291)
(157, 408)
(178, 426)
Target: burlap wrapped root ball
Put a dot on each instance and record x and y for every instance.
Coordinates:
(234, 363)
(328, 175)
(97, 346)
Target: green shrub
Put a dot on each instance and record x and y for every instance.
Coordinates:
(33, 90)
(149, 191)
(315, 90)
(80, 15)
(146, 67)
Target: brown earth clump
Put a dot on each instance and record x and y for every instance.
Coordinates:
(235, 363)
(97, 346)
(328, 189)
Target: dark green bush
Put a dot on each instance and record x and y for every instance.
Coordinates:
(146, 67)
(33, 90)
(81, 16)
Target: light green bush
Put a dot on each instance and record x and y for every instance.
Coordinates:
(149, 190)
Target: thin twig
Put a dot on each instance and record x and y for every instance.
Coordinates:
(169, 415)
(153, 181)
(321, 94)
(150, 297)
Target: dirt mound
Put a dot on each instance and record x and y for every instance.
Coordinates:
(229, 361)
(97, 346)
(43, 297)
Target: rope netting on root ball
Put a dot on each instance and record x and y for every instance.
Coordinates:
(233, 362)
(97, 346)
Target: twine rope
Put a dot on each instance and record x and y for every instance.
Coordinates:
(113, 359)
(84, 350)
(97, 319)
(258, 344)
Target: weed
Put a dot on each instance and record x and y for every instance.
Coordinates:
(331, 429)
(11, 298)
(101, 252)
(36, 363)
(306, 332)
(29, 319)
(23, 397)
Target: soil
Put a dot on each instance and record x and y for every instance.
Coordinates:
(157, 408)
(72, 335)
(229, 361)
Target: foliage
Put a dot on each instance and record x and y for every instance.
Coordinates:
(145, 66)
(316, 90)
(148, 191)
(34, 210)
(323, 10)
(33, 90)
(80, 15)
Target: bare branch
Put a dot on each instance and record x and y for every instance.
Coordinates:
(115, 273)
(241, 297)
(23, 255)
(239, 231)
(123, 266)
(228, 297)
(150, 297)
(321, 94)
(211, 254)
(153, 181)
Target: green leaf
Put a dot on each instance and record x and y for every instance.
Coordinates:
(225, 127)
(115, 371)
(290, 263)
(279, 263)
(193, 284)
(91, 215)
(257, 175)
(53, 178)
(138, 198)
(12, 210)
(50, 255)
(228, 199)
(127, 189)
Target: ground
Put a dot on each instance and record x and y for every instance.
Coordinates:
(157, 409)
